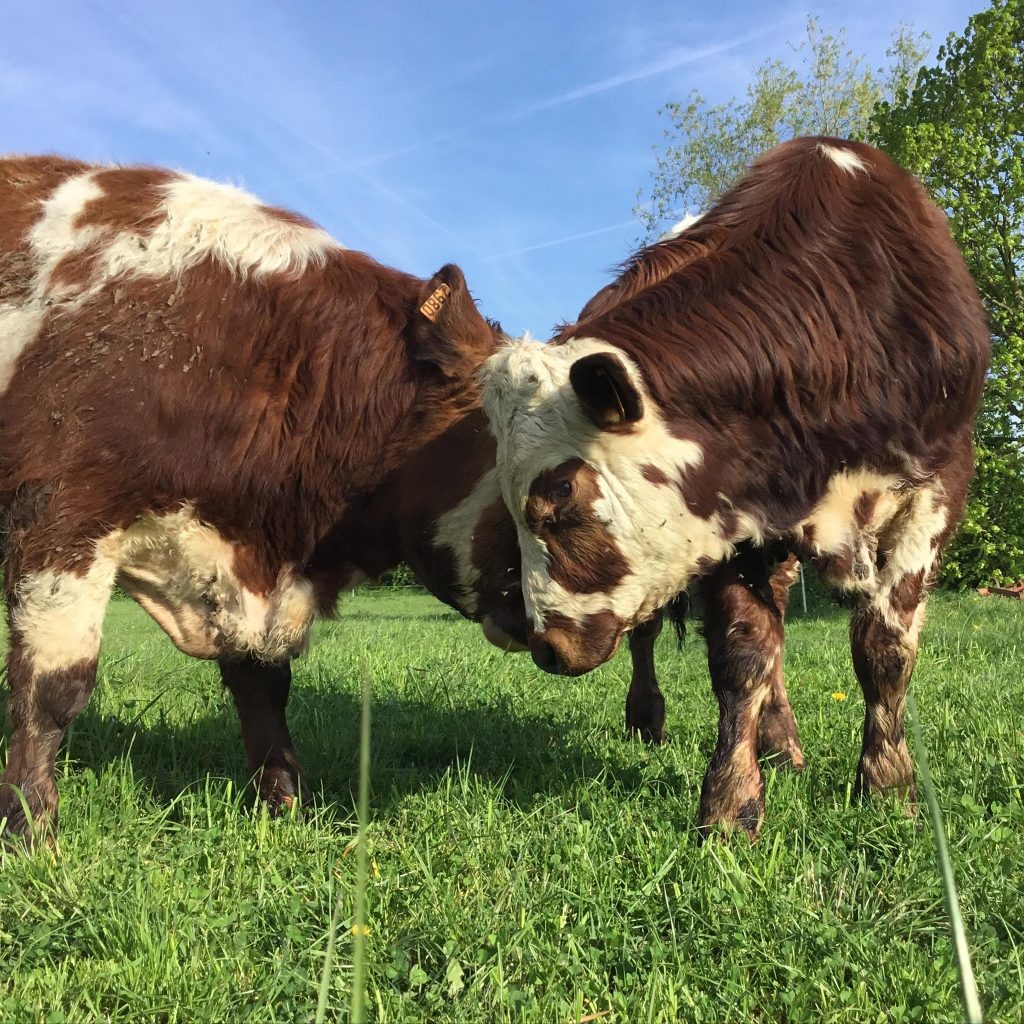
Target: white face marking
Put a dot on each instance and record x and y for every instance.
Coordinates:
(182, 572)
(456, 529)
(539, 424)
(201, 219)
(844, 158)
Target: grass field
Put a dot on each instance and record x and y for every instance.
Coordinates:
(527, 861)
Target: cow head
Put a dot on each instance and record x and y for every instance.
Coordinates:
(595, 480)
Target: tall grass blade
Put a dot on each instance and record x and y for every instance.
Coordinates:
(359, 927)
(325, 974)
(357, 1010)
(968, 986)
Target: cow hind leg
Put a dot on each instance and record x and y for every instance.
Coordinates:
(778, 739)
(743, 628)
(884, 647)
(886, 625)
(260, 692)
(55, 621)
(645, 705)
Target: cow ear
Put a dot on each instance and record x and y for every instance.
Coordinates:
(608, 396)
(447, 328)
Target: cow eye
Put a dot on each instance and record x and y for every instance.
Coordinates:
(561, 491)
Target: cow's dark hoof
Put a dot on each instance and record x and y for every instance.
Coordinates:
(652, 735)
(282, 787)
(778, 741)
(645, 718)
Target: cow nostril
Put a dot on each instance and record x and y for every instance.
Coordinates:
(544, 657)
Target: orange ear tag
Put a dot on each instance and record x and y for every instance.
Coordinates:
(433, 305)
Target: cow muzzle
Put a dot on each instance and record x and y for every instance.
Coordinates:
(572, 649)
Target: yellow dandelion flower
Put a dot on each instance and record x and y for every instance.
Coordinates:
(839, 695)
(361, 929)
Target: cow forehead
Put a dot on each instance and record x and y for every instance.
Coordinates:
(540, 424)
(524, 376)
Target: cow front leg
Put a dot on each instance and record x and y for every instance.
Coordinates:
(645, 705)
(55, 620)
(260, 692)
(743, 628)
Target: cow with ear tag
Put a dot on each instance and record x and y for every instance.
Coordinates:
(195, 390)
(797, 371)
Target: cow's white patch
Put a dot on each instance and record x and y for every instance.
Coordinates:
(689, 219)
(540, 424)
(912, 548)
(844, 158)
(833, 525)
(51, 238)
(905, 522)
(456, 529)
(182, 572)
(59, 615)
(57, 233)
(19, 326)
(203, 219)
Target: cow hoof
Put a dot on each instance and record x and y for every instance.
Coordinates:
(282, 790)
(731, 802)
(884, 771)
(785, 759)
(653, 734)
(26, 826)
(904, 792)
(747, 820)
(18, 836)
(645, 718)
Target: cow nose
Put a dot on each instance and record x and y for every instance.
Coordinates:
(545, 657)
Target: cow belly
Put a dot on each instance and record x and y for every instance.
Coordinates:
(182, 573)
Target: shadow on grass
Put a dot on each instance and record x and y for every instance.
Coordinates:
(374, 616)
(416, 746)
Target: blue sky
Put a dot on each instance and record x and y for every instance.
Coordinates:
(510, 138)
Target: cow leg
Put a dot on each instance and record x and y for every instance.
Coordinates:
(884, 639)
(645, 706)
(55, 620)
(778, 739)
(743, 627)
(260, 692)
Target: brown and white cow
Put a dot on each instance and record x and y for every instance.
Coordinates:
(800, 367)
(195, 389)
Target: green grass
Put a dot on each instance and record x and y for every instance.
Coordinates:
(526, 861)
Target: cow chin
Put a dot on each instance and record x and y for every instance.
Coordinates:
(570, 648)
(503, 636)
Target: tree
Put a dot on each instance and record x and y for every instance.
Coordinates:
(960, 128)
(828, 91)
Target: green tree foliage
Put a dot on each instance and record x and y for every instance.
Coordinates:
(960, 128)
(825, 89)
